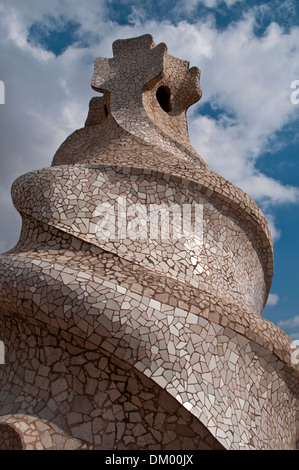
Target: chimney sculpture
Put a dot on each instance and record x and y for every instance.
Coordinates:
(131, 305)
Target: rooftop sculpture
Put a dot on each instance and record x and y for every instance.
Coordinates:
(131, 305)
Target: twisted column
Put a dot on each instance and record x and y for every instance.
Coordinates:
(137, 286)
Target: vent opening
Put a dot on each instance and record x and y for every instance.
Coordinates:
(163, 96)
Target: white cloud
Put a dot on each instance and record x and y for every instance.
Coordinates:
(272, 300)
(295, 337)
(16, 32)
(248, 77)
(290, 323)
(291, 327)
(191, 5)
(36, 10)
(275, 231)
(268, 190)
(232, 2)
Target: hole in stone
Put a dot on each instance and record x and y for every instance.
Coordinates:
(106, 110)
(163, 96)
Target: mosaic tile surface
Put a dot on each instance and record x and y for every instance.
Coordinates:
(155, 339)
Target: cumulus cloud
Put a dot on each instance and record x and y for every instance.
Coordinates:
(275, 231)
(290, 323)
(272, 300)
(191, 5)
(291, 327)
(37, 10)
(249, 77)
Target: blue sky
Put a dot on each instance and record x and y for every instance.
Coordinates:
(245, 126)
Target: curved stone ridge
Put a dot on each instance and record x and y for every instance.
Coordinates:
(136, 288)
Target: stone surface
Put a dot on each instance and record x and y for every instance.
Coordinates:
(131, 305)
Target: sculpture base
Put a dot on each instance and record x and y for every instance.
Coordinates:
(56, 395)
